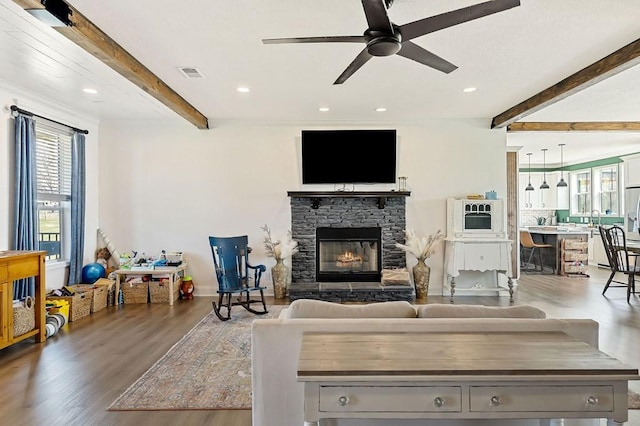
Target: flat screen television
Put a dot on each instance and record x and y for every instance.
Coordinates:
(348, 156)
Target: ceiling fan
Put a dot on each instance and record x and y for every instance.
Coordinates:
(384, 38)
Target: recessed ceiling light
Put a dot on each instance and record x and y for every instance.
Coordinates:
(243, 89)
(469, 89)
(92, 91)
(323, 109)
(381, 109)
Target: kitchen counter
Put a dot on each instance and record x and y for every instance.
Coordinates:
(554, 235)
(561, 230)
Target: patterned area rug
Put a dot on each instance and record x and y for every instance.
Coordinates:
(634, 400)
(208, 369)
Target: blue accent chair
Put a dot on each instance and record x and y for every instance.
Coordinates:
(236, 276)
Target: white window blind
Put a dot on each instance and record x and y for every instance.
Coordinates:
(53, 162)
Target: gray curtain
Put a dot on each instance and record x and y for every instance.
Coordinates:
(77, 207)
(26, 209)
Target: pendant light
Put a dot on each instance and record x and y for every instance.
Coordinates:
(544, 185)
(529, 187)
(561, 183)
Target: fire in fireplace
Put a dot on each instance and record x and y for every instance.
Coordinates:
(348, 254)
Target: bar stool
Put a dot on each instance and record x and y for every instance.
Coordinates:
(526, 242)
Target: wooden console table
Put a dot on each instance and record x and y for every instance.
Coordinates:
(524, 375)
(15, 265)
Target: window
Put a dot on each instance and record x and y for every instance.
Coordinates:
(595, 189)
(581, 197)
(53, 185)
(606, 191)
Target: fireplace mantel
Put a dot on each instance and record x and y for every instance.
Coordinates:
(315, 196)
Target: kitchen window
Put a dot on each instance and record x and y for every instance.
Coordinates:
(595, 189)
(581, 192)
(606, 191)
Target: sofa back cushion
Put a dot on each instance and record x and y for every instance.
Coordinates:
(308, 308)
(442, 310)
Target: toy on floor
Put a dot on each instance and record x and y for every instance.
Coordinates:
(186, 288)
(102, 256)
(91, 273)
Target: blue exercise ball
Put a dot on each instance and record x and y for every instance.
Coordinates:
(92, 272)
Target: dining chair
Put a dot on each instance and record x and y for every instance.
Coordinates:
(527, 243)
(621, 260)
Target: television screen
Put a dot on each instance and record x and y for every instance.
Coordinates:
(348, 156)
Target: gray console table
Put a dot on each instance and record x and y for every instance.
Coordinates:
(535, 375)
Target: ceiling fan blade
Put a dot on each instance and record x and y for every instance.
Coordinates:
(412, 51)
(377, 17)
(328, 39)
(445, 20)
(354, 66)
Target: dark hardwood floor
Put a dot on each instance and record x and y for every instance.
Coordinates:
(73, 377)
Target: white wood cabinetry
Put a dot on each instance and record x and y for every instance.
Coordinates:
(632, 171)
(597, 255)
(538, 198)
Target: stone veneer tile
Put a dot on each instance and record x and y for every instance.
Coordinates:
(345, 212)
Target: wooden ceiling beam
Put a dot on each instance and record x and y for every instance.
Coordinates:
(618, 61)
(92, 39)
(587, 126)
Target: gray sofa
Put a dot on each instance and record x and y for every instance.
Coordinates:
(278, 396)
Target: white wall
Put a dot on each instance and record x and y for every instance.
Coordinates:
(164, 187)
(152, 186)
(57, 271)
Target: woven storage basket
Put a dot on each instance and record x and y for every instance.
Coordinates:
(135, 293)
(24, 317)
(98, 295)
(99, 301)
(110, 285)
(99, 298)
(79, 304)
(159, 291)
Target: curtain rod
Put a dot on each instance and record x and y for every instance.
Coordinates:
(22, 111)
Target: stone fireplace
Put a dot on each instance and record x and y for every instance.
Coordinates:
(344, 240)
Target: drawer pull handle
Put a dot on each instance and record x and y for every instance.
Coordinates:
(438, 401)
(592, 400)
(496, 400)
(343, 400)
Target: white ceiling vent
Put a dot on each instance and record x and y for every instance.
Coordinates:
(191, 72)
